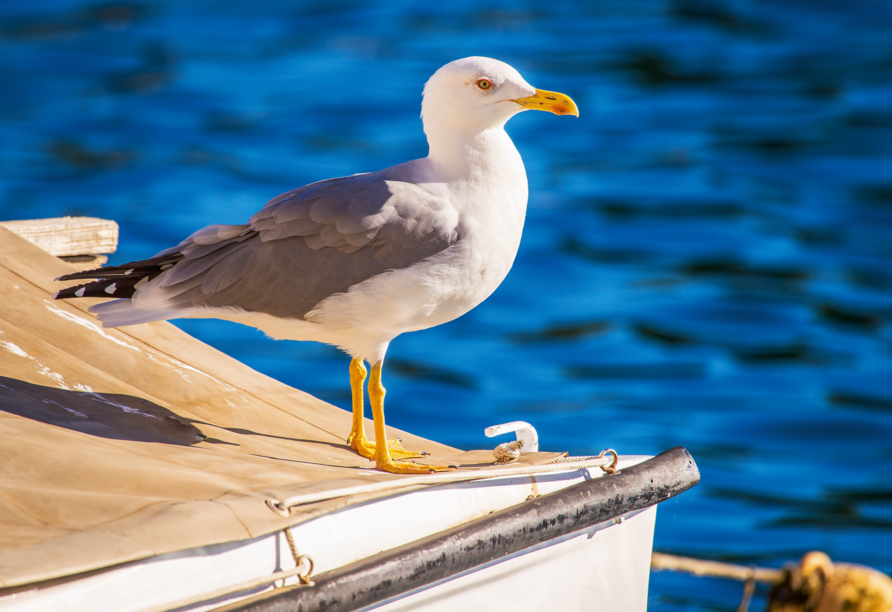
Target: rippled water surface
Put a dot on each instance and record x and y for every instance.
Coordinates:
(707, 259)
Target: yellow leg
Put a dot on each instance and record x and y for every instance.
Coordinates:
(357, 438)
(383, 456)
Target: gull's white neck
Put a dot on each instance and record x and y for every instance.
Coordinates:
(486, 182)
(470, 155)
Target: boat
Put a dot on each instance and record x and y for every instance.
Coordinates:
(143, 470)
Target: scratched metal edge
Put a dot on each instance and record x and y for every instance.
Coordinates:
(497, 535)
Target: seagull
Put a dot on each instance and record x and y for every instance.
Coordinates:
(356, 261)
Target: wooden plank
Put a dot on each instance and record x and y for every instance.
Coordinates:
(64, 236)
(85, 262)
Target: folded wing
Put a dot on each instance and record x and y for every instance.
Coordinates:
(302, 247)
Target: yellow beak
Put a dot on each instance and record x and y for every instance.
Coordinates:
(550, 101)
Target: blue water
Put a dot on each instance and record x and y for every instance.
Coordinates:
(707, 259)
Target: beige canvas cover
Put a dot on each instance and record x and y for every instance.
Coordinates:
(121, 444)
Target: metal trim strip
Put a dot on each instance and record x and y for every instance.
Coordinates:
(450, 552)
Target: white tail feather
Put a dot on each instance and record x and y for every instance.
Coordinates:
(118, 313)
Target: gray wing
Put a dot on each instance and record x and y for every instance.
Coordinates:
(309, 244)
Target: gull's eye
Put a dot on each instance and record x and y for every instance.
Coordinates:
(484, 84)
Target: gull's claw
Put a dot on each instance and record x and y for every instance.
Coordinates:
(366, 448)
(408, 467)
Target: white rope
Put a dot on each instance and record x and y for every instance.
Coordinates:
(242, 586)
(563, 464)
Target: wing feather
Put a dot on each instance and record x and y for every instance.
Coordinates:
(229, 270)
(301, 248)
(331, 237)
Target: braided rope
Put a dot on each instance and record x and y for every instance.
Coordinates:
(563, 464)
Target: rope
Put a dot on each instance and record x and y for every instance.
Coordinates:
(563, 464)
(292, 546)
(303, 569)
(815, 583)
(714, 569)
(299, 560)
(749, 588)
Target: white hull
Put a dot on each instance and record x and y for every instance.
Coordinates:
(607, 563)
(604, 567)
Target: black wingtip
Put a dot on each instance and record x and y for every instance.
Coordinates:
(83, 274)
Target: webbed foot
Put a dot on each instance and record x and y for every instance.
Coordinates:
(409, 467)
(366, 448)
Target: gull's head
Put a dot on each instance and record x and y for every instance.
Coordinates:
(474, 94)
